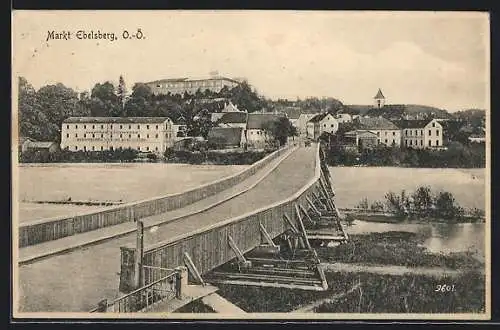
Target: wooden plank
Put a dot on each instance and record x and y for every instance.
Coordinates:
(192, 268)
(311, 204)
(234, 247)
(268, 238)
(302, 228)
(307, 215)
(269, 284)
(290, 223)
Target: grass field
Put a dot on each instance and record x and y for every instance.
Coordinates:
(106, 182)
(351, 184)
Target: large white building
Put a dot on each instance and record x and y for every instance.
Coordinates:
(182, 85)
(420, 134)
(320, 124)
(144, 134)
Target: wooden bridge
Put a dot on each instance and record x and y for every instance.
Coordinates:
(260, 230)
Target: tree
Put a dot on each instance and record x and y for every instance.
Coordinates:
(57, 102)
(422, 201)
(446, 208)
(33, 122)
(105, 102)
(280, 129)
(121, 93)
(139, 104)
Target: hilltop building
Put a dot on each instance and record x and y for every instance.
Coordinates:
(379, 99)
(182, 85)
(145, 134)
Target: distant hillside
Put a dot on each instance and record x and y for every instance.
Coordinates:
(469, 113)
(397, 110)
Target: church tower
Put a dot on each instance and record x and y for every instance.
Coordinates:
(379, 99)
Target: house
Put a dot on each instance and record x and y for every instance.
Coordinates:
(146, 134)
(230, 107)
(233, 119)
(387, 132)
(343, 118)
(48, 146)
(257, 130)
(362, 138)
(183, 85)
(227, 137)
(477, 138)
(179, 128)
(419, 134)
(301, 122)
(23, 143)
(319, 124)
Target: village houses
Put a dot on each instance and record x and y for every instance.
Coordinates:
(387, 132)
(419, 134)
(321, 123)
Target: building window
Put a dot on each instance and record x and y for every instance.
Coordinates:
(138, 126)
(385, 141)
(111, 135)
(378, 134)
(67, 135)
(111, 148)
(76, 135)
(386, 134)
(429, 143)
(102, 126)
(139, 148)
(139, 136)
(93, 148)
(93, 135)
(156, 136)
(331, 125)
(437, 132)
(130, 136)
(121, 126)
(76, 148)
(433, 124)
(421, 132)
(93, 126)
(406, 132)
(157, 128)
(437, 142)
(121, 136)
(84, 148)
(406, 142)
(421, 142)
(393, 133)
(67, 126)
(430, 132)
(84, 135)
(102, 148)
(84, 126)
(129, 126)
(147, 126)
(76, 126)
(393, 141)
(156, 148)
(411, 142)
(147, 148)
(147, 136)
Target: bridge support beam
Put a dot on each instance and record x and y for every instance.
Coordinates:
(192, 269)
(242, 262)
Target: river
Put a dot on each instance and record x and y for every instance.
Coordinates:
(441, 237)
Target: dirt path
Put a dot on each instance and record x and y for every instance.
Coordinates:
(391, 269)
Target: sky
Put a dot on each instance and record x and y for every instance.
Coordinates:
(431, 58)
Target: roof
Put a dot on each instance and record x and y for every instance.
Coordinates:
(379, 95)
(234, 117)
(257, 120)
(230, 107)
(118, 120)
(376, 123)
(33, 144)
(226, 135)
(291, 112)
(318, 118)
(412, 123)
(360, 133)
(188, 79)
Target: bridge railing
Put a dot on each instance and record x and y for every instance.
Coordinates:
(161, 284)
(44, 230)
(209, 247)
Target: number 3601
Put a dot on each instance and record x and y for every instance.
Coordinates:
(445, 288)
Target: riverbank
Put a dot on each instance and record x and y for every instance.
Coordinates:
(414, 290)
(385, 217)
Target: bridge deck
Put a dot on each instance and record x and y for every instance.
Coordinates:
(76, 281)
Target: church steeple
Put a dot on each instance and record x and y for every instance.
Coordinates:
(379, 99)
